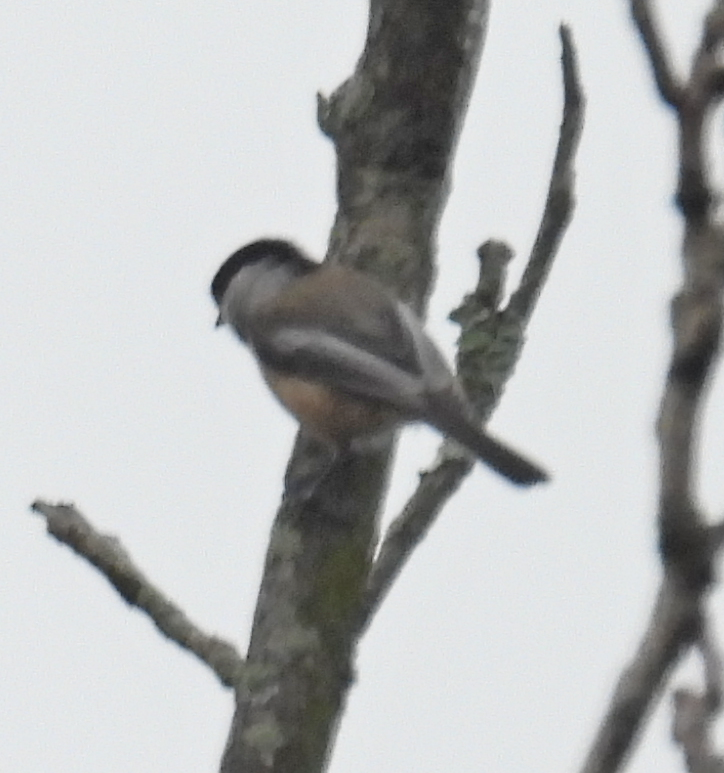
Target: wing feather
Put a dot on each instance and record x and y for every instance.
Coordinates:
(345, 329)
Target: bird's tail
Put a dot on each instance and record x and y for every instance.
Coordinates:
(448, 416)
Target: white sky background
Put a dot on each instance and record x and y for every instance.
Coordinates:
(141, 144)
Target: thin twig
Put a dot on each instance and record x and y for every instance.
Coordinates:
(408, 529)
(560, 202)
(107, 554)
(669, 88)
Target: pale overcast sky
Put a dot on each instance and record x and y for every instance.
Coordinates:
(143, 142)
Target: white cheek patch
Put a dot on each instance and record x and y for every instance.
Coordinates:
(252, 286)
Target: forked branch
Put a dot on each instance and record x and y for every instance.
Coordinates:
(688, 545)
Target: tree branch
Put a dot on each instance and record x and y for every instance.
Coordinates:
(395, 124)
(560, 202)
(107, 554)
(694, 713)
(669, 88)
(687, 545)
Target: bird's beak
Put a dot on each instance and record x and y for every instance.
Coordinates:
(219, 322)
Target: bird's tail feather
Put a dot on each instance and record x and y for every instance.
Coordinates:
(504, 460)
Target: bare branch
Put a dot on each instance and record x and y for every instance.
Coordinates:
(702, 93)
(687, 544)
(673, 626)
(560, 201)
(696, 313)
(669, 87)
(490, 342)
(408, 529)
(711, 657)
(107, 554)
(694, 713)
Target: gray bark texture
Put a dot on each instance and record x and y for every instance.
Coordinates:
(395, 124)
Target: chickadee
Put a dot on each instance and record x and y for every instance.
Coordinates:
(344, 356)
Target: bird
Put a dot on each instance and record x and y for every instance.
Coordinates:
(347, 358)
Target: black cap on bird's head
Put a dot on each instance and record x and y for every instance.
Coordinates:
(277, 250)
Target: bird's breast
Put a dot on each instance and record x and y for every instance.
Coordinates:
(327, 413)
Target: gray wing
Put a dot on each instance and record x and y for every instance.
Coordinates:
(344, 329)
